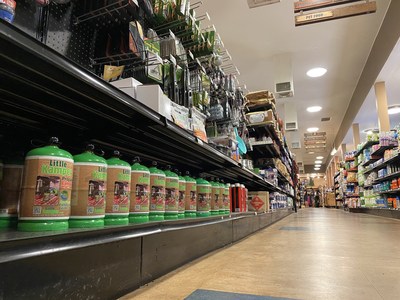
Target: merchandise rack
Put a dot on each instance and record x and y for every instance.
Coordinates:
(365, 146)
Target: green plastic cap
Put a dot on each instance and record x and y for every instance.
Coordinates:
(154, 170)
(89, 156)
(202, 181)
(188, 178)
(137, 166)
(50, 150)
(169, 173)
(116, 161)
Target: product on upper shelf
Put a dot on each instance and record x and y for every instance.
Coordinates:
(260, 97)
(157, 193)
(171, 194)
(46, 189)
(10, 192)
(118, 191)
(89, 189)
(203, 198)
(182, 195)
(260, 117)
(7, 10)
(140, 185)
(191, 197)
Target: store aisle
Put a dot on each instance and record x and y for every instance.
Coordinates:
(315, 254)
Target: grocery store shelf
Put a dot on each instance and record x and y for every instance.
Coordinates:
(395, 191)
(355, 169)
(49, 95)
(389, 161)
(381, 150)
(350, 159)
(370, 161)
(365, 146)
(387, 177)
(381, 212)
(336, 175)
(352, 195)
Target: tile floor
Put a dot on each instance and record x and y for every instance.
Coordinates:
(315, 254)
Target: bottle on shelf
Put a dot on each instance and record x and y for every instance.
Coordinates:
(118, 191)
(191, 196)
(171, 194)
(157, 193)
(203, 198)
(182, 195)
(215, 191)
(140, 183)
(46, 189)
(89, 189)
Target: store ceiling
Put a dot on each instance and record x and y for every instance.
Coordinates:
(255, 37)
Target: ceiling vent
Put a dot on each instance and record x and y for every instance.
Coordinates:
(291, 126)
(284, 89)
(257, 3)
(326, 119)
(291, 123)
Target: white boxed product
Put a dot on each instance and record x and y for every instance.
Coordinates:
(180, 115)
(127, 85)
(153, 97)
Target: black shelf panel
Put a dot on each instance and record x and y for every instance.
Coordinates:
(396, 191)
(336, 175)
(370, 161)
(365, 146)
(49, 95)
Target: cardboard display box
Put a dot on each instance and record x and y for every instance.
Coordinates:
(258, 201)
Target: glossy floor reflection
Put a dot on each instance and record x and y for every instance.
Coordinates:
(315, 254)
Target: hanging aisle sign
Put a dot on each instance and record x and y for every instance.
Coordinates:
(336, 13)
(314, 4)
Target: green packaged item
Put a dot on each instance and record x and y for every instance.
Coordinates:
(89, 189)
(203, 198)
(118, 191)
(157, 193)
(46, 189)
(140, 185)
(182, 196)
(214, 202)
(171, 194)
(191, 197)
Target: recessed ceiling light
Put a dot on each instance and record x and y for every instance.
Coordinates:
(317, 169)
(316, 72)
(318, 166)
(311, 152)
(312, 129)
(312, 109)
(318, 162)
(371, 130)
(394, 109)
(319, 157)
(333, 152)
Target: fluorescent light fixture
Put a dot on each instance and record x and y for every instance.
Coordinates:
(394, 109)
(318, 162)
(311, 152)
(317, 169)
(333, 152)
(312, 109)
(318, 166)
(316, 72)
(319, 157)
(312, 129)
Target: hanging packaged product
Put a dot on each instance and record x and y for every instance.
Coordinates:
(214, 203)
(227, 199)
(88, 190)
(157, 194)
(191, 197)
(182, 196)
(139, 208)
(203, 198)
(171, 194)
(10, 192)
(46, 189)
(118, 191)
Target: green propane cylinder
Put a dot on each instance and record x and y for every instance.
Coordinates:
(221, 197)
(191, 196)
(118, 191)
(203, 198)
(171, 194)
(214, 203)
(139, 210)
(227, 199)
(10, 192)
(89, 189)
(46, 189)
(157, 193)
(182, 195)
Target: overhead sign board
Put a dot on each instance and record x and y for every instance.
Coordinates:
(336, 13)
(315, 4)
